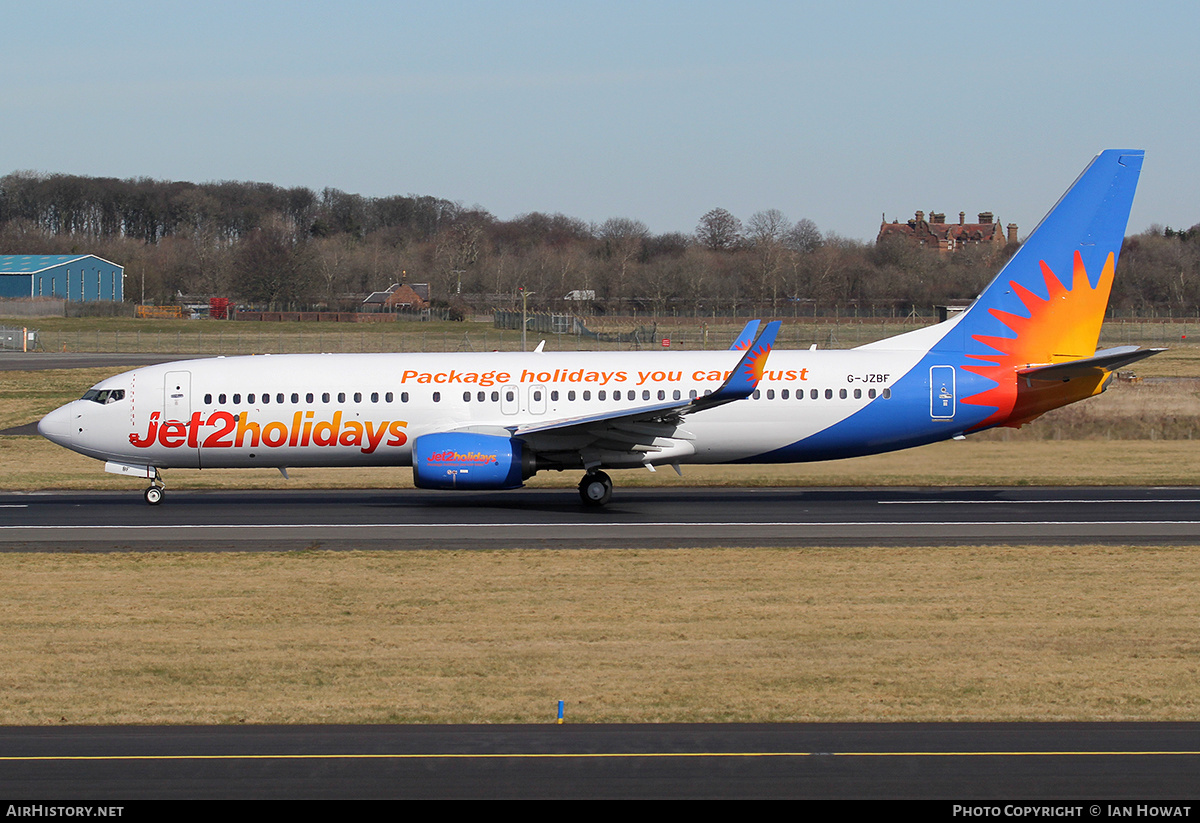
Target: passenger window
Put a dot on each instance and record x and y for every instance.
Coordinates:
(645, 394)
(466, 397)
(783, 394)
(662, 395)
(554, 396)
(358, 397)
(221, 399)
(587, 395)
(829, 394)
(857, 394)
(757, 394)
(341, 397)
(842, 394)
(871, 394)
(600, 395)
(495, 396)
(389, 397)
(570, 395)
(887, 394)
(814, 394)
(308, 398)
(279, 397)
(374, 397)
(481, 396)
(437, 397)
(324, 397)
(770, 394)
(676, 394)
(403, 397)
(250, 399)
(237, 400)
(208, 399)
(295, 398)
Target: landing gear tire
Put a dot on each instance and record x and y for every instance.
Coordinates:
(595, 489)
(153, 495)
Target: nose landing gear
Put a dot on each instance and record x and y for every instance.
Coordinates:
(154, 494)
(595, 489)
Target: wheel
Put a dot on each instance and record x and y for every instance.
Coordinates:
(595, 489)
(154, 495)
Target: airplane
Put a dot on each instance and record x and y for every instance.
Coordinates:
(483, 421)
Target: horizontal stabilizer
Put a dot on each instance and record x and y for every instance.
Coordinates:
(1104, 361)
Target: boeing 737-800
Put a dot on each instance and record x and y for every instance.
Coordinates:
(490, 421)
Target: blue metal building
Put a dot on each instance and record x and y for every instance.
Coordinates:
(71, 277)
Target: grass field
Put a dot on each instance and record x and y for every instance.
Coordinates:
(736, 634)
(211, 337)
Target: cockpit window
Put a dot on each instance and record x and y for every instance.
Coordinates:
(104, 396)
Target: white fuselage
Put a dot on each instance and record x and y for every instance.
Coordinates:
(367, 409)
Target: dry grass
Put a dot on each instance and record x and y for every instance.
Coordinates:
(1024, 633)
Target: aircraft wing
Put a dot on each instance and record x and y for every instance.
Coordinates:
(643, 428)
(1102, 362)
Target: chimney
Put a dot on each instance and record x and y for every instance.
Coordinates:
(1012, 232)
(937, 217)
(985, 217)
(920, 216)
(962, 218)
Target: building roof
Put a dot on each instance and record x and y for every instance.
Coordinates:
(945, 236)
(34, 263)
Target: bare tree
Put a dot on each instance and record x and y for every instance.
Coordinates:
(719, 230)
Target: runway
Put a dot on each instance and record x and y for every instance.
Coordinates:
(637, 518)
(1075, 765)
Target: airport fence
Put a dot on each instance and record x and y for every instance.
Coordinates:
(18, 338)
(233, 339)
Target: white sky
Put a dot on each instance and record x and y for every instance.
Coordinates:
(657, 111)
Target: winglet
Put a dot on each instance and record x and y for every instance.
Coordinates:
(746, 337)
(743, 380)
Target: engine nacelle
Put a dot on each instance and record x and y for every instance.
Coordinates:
(462, 460)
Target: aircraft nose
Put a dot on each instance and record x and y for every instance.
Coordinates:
(57, 425)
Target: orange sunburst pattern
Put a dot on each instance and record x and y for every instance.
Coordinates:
(756, 363)
(1064, 326)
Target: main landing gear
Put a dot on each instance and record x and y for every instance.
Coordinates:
(595, 489)
(154, 494)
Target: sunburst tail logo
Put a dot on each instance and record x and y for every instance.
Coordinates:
(1048, 303)
(1063, 326)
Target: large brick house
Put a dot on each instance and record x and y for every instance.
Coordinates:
(936, 233)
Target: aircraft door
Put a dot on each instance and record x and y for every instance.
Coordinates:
(177, 409)
(510, 400)
(941, 392)
(177, 395)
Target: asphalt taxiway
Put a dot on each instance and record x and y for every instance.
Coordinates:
(645, 518)
(1074, 765)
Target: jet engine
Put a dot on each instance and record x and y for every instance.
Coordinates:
(462, 460)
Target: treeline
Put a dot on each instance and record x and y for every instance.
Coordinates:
(296, 248)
